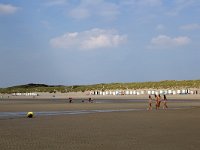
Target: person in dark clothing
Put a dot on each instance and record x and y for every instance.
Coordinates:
(70, 100)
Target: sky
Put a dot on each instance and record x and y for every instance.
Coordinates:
(80, 42)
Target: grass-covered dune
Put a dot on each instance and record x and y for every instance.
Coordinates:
(168, 84)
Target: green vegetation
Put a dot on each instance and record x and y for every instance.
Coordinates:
(168, 84)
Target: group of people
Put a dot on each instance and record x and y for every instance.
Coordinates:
(90, 100)
(158, 100)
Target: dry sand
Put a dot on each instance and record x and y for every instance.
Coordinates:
(173, 129)
(85, 95)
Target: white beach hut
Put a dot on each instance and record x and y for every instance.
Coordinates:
(178, 91)
(174, 92)
(142, 92)
(127, 92)
(149, 92)
(116, 92)
(153, 92)
(169, 91)
(183, 91)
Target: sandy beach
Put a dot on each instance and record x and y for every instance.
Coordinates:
(86, 95)
(99, 75)
(174, 129)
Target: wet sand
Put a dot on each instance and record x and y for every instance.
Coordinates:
(175, 129)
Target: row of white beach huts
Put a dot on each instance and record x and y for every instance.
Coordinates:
(143, 92)
(24, 94)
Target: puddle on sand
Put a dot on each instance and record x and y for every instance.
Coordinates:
(4, 115)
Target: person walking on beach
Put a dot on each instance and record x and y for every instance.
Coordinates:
(165, 102)
(157, 101)
(150, 103)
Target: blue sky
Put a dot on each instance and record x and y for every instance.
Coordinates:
(85, 41)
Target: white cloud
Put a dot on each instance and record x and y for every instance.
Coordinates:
(88, 40)
(194, 26)
(97, 8)
(163, 41)
(7, 9)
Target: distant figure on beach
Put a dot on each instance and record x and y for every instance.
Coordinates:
(90, 100)
(70, 100)
(157, 101)
(150, 103)
(165, 102)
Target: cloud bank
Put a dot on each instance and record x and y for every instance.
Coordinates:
(163, 41)
(87, 40)
(7, 9)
